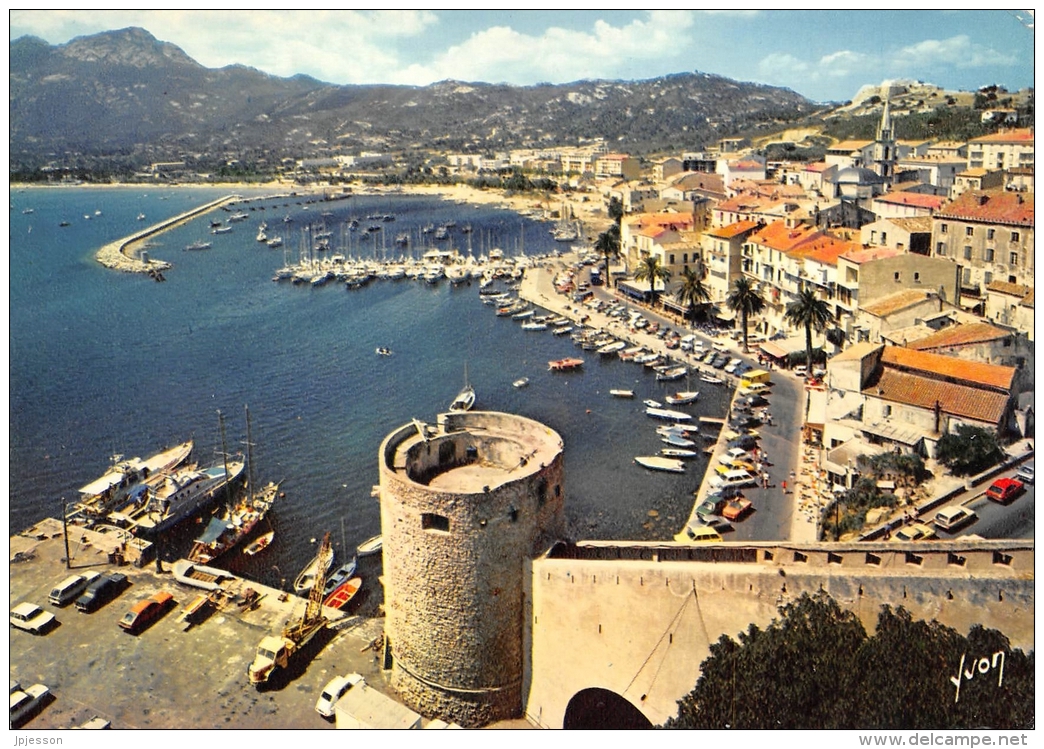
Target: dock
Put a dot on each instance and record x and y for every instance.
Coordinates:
(125, 255)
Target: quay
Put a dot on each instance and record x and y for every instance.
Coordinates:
(125, 255)
(168, 676)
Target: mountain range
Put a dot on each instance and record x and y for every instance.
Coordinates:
(128, 98)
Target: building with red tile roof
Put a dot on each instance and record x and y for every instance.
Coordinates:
(906, 204)
(1003, 150)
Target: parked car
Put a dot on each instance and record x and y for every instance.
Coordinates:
(1004, 490)
(333, 691)
(914, 532)
(101, 591)
(1025, 473)
(702, 534)
(800, 370)
(953, 517)
(737, 508)
(31, 618)
(146, 611)
(23, 704)
(733, 454)
(733, 479)
(710, 507)
(69, 589)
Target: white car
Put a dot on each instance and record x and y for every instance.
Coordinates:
(31, 618)
(333, 691)
(24, 703)
(733, 454)
(800, 370)
(1025, 473)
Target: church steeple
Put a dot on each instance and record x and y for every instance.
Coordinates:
(884, 144)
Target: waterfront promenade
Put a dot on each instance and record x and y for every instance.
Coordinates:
(125, 254)
(781, 440)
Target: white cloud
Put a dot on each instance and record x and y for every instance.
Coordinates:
(958, 51)
(842, 63)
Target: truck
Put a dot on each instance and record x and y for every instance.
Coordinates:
(277, 651)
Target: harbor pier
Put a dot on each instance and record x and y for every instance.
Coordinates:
(125, 254)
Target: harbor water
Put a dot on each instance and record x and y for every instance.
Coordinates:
(104, 362)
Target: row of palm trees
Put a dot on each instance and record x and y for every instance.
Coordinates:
(808, 311)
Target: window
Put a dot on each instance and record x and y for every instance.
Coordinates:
(968, 231)
(1013, 259)
(989, 233)
(873, 237)
(917, 277)
(887, 411)
(942, 228)
(940, 249)
(1014, 236)
(671, 261)
(884, 237)
(987, 277)
(432, 522)
(897, 276)
(989, 255)
(967, 252)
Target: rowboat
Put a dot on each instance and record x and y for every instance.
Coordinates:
(521, 382)
(712, 380)
(370, 546)
(343, 593)
(309, 574)
(682, 397)
(259, 544)
(658, 463)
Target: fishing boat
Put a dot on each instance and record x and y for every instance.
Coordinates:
(622, 393)
(465, 398)
(667, 414)
(343, 594)
(682, 397)
(660, 463)
(612, 348)
(259, 544)
(370, 546)
(565, 365)
(304, 581)
(340, 575)
(673, 373)
(521, 382)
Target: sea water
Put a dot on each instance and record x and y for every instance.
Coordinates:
(104, 362)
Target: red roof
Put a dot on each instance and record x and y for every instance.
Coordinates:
(991, 207)
(916, 199)
(778, 236)
(730, 231)
(979, 373)
(1022, 135)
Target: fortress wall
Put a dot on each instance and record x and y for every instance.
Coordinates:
(640, 627)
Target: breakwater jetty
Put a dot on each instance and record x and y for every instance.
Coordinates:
(126, 254)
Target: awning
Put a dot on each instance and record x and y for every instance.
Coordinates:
(817, 405)
(213, 532)
(773, 350)
(892, 433)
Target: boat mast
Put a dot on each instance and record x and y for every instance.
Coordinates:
(250, 457)
(224, 452)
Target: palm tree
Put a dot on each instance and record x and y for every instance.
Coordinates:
(649, 268)
(608, 244)
(692, 292)
(746, 300)
(808, 311)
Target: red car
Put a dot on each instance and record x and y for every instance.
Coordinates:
(736, 508)
(1004, 490)
(145, 611)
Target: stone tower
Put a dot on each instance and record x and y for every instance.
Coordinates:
(464, 506)
(885, 154)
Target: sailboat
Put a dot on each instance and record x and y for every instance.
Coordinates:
(466, 397)
(224, 532)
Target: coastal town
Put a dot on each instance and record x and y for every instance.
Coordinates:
(869, 317)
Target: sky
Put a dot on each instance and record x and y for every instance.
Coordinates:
(823, 55)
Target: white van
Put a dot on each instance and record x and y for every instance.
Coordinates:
(69, 589)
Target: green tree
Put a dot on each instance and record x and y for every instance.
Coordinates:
(649, 269)
(615, 211)
(692, 293)
(746, 300)
(608, 245)
(814, 667)
(968, 449)
(808, 311)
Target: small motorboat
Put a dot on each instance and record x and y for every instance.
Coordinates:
(259, 544)
(652, 404)
(622, 393)
(370, 546)
(383, 351)
(521, 382)
(659, 463)
(674, 452)
(304, 582)
(682, 397)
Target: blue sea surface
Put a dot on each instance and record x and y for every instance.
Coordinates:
(103, 362)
